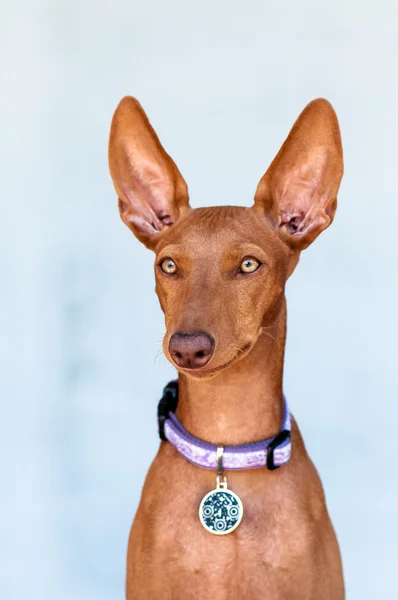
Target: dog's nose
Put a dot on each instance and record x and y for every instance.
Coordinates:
(191, 350)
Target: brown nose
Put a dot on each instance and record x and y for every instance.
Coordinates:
(191, 350)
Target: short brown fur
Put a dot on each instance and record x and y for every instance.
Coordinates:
(285, 547)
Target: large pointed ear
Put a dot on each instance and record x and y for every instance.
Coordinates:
(152, 193)
(298, 193)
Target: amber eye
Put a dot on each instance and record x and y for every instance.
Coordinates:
(249, 265)
(168, 266)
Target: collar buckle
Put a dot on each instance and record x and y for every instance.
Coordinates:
(168, 403)
(276, 442)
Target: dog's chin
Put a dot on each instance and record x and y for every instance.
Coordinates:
(209, 373)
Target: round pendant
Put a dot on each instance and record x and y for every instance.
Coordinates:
(221, 511)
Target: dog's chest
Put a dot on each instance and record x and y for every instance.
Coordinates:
(254, 562)
(256, 559)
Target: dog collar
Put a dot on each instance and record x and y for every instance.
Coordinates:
(272, 453)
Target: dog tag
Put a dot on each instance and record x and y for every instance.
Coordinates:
(221, 510)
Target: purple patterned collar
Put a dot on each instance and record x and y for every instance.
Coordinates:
(271, 453)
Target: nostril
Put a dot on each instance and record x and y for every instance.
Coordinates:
(177, 354)
(200, 354)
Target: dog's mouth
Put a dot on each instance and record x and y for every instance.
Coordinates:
(204, 373)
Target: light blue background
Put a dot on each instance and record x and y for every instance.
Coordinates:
(80, 325)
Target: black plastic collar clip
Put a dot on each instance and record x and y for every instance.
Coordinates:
(280, 438)
(167, 403)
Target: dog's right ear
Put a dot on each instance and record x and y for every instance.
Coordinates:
(152, 192)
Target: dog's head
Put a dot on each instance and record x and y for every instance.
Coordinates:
(221, 272)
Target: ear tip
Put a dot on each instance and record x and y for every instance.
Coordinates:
(323, 107)
(128, 104)
(127, 109)
(320, 114)
(129, 100)
(321, 101)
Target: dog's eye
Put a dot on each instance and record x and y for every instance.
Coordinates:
(249, 265)
(168, 266)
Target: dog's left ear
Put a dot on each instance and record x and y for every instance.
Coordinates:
(298, 193)
(152, 192)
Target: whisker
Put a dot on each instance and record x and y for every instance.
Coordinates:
(155, 344)
(159, 356)
(266, 333)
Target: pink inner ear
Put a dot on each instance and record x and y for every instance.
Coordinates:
(291, 221)
(295, 204)
(144, 203)
(166, 219)
(300, 192)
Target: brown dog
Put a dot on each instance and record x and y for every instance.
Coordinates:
(220, 276)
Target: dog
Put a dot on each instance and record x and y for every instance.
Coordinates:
(220, 279)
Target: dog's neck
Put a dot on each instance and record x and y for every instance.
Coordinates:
(242, 404)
